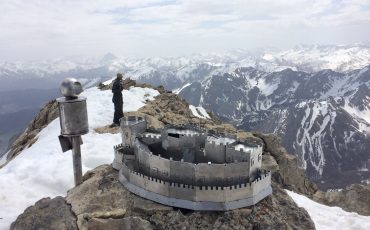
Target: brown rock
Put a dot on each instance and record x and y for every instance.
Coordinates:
(275, 212)
(354, 198)
(169, 108)
(128, 223)
(269, 163)
(107, 129)
(243, 135)
(101, 195)
(46, 214)
(290, 175)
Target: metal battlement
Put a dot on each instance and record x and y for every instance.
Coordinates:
(184, 166)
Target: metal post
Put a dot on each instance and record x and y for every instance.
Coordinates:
(76, 155)
(73, 122)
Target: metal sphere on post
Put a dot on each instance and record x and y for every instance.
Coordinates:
(73, 122)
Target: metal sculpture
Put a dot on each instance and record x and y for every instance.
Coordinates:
(73, 122)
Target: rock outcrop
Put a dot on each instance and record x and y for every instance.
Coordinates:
(354, 198)
(288, 174)
(169, 108)
(47, 214)
(101, 202)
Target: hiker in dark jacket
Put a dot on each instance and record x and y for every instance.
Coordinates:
(117, 99)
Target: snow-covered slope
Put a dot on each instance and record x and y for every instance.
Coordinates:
(199, 111)
(44, 171)
(322, 117)
(328, 218)
(316, 58)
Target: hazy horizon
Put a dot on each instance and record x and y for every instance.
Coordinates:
(255, 51)
(39, 30)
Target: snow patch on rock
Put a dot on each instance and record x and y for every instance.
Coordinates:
(199, 112)
(328, 218)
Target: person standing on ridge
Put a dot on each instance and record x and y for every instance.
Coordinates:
(117, 99)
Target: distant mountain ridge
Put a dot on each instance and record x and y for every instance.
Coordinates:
(322, 116)
(173, 72)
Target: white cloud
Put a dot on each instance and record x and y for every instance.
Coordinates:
(40, 29)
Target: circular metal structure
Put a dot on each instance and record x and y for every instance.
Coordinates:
(184, 167)
(73, 116)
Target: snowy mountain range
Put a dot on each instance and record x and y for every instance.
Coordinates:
(173, 72)
(322, 117)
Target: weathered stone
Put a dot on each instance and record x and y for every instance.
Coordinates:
(147, 207)
(354, 198)
(289, 174)
(243, 135)
(107, 129)
(128, 223)
(269, 163)
(100, 196)
(169, 108)
(276, 212)
(47, 214)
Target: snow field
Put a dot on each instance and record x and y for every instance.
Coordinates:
(328, 218)
(44, 171)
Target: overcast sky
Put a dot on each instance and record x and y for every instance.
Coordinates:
(42, 29)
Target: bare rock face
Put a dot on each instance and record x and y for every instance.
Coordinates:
(354, 198)
(169, 108)
(47, 214)
(289, 175)
(102, 198)
(275, 212)
(128, 223)
(47, 114)
(107, 129)
(269, 163)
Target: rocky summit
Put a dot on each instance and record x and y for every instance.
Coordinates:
(102, 202)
